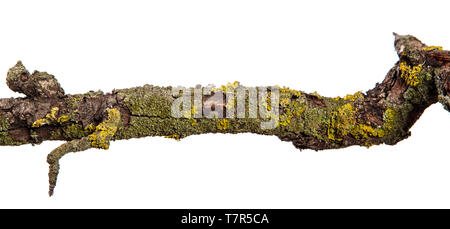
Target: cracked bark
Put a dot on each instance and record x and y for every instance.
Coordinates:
(383, 114)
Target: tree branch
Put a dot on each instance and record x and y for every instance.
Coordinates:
(383, 114)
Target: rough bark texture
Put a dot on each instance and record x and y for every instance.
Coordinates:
(383, 114)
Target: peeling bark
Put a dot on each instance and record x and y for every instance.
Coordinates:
(383, 114)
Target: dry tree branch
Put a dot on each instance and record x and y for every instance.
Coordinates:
(383, 114)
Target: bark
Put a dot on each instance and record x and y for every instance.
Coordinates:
(383, 114)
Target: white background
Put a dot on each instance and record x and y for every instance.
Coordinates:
(332, 47)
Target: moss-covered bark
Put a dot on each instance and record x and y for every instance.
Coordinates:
(383, 114)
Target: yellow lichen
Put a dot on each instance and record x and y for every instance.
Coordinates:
(316, 94)
(285, 118)
(105, 130)
(266, 103)
(388, 118)
(286, 90)
(193, 122)
(410, 75)
(234, 85)
(192, 112)
(346, 114)
(284, 101)
(269, 101)
(290, 105)
(40, 122)
(76, 99)
(368, 144)
(351, 97)
(187, 114)
(90, 127)
(173, 136)
(230, 103)
(63, 119)
(51, 118)
(227, 88)
(223, 124)
(363, 131)
(190, 115)
(428, 48)
(343, 123)
(52, 114)
(298, 109)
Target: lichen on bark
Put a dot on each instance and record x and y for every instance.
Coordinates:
(383, 114)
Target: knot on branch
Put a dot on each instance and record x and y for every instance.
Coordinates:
(38, 84)
(411, 50)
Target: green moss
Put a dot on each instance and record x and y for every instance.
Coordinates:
(56, 134)
(35, 137)
(247, 125)
(293, 112)
(4, 123)
(148, 100)
(151, 116)
(394, 124)
(73, 131)
(15, 72)
(148, 126)
(424, 92)
(343, 121)
(73, 101)
(315, 122)
(290, 108)
(223, 124)
(150, 107)
(154, 126)
(5, 139)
